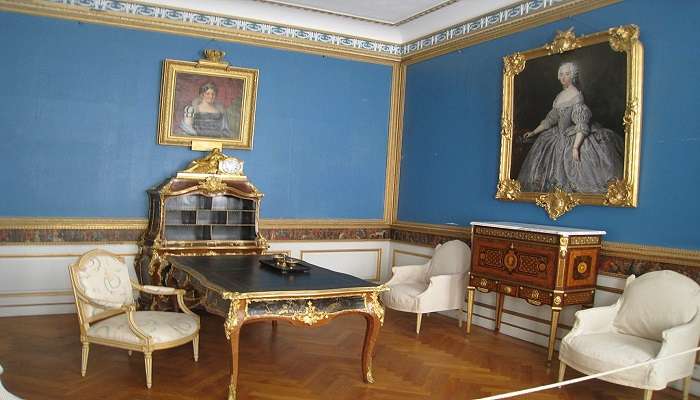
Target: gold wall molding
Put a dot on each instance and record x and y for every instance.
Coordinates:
(408, 253)
(434, 229)
(52, 293)
(122, 20)
(54, 10)
(509, 28)
(668, 255)
(57, 255)
(394, 147)
(71, 223)
(37, 304)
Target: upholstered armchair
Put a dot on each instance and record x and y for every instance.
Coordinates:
(104, 296)
(437, 285)
(656, 316)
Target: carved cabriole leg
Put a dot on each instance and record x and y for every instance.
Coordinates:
(233, 334)
(470, 307)
(232, 328)
(499, 311)
(84, 358)
(148, 361)
(195, 347)
(552, 334)
(686, 386)
(418, 319)
(371, 334)
(562, 371)
(647, 394)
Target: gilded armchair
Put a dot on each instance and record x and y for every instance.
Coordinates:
(104, 296)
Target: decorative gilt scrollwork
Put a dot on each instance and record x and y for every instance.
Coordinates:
(630, 116)
(563, 41)
(624, 37)
(311, 315)
(514, 64)
(619, 194)
(557, 300)
(557, 203)
(506, 127)
(373, 305)
(369, 377)
(212, 185)
(508, 189)
(563, 246)
(232, 318)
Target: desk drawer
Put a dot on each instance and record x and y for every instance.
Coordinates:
(530, 264)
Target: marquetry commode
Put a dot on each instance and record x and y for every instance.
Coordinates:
(544, 265)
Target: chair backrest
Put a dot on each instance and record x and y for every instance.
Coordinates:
(103, 277)
(453, 257)
(656, 301)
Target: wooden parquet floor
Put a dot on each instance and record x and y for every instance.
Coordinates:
(41, 358)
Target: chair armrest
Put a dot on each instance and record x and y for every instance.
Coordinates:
(162, 290)
(445, 292)
(593, 320)
(675, 340)
(407, 273)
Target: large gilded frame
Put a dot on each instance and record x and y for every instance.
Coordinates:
(239, 83)
(620, 193)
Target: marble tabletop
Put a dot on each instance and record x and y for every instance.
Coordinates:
(555, 230)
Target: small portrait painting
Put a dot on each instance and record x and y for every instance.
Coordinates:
(207, 102)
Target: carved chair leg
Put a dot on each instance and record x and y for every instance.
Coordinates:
(686, 386)
(195, 347)
(84, 358)
(418, 323)
(562, 370)
(148, 360)
(647, 394)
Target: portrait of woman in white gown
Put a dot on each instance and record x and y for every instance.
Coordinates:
(571, 151)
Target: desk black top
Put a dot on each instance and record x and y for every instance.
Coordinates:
(245, 274)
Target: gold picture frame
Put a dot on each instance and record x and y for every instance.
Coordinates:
(207, 104)
(574, 159)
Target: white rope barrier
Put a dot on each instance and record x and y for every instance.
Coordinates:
(583, 378)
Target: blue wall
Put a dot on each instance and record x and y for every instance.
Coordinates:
(79, 110)
(451, 134)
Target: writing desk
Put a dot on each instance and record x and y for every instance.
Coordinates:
(242, 290)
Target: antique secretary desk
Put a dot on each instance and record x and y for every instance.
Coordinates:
(209, 208)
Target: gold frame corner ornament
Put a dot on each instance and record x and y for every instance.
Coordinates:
(557, 203)
(622, 192)
(212, 66)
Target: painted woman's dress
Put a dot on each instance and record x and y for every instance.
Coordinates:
(550, 162)
(211, 124)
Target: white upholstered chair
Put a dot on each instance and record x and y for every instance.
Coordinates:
(437, 285)
(104, 296)
(4, 394)
(656, 316)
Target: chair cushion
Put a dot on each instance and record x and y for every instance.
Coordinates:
(403, 297)
(601, 352)
(160, 325)
(657, 301)
(452, 257)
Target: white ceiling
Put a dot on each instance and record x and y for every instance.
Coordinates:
(394, 21)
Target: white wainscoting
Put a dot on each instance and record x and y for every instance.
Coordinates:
(35, 277)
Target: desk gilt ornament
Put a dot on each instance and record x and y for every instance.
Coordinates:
(571, 122)
(209, 208)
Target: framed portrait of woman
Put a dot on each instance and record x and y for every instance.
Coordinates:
(571, 122)
(207, 104)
